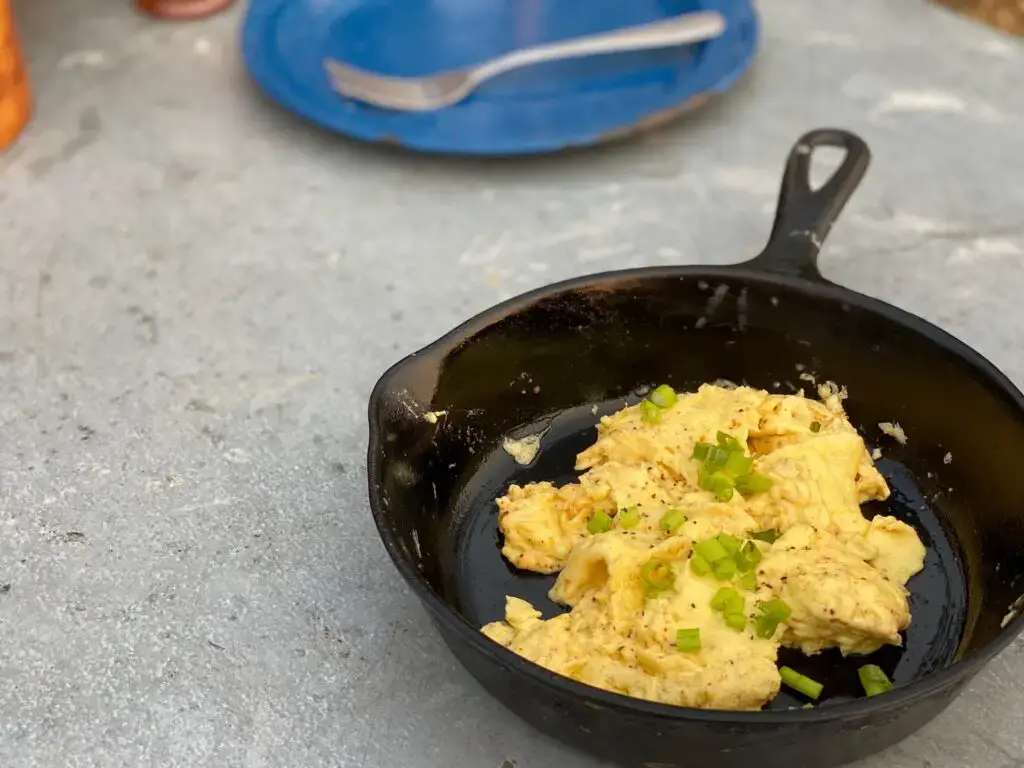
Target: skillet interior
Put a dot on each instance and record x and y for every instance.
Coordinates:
(549, 362)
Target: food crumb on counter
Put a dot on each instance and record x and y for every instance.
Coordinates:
(947, 459)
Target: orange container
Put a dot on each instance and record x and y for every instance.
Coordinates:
(15, 93)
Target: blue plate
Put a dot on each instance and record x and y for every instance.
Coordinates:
(540, 109)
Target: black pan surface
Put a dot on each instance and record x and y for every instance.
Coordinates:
(547, 360)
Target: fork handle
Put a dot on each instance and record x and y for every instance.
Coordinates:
(681, 30)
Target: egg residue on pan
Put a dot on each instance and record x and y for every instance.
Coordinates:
(707, 530)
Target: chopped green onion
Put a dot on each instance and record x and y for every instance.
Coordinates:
(728, 441)
(874, 680)
(765, 627)
(769, 536)
(738, 464)
(748, 557)
(730, 543)
(724, 569)
(815, 426)
(718, 480)
(629, 517)
(699, 565)
(649, 412)
(725, 468)
(743, 563)
(658, 575)
(808, 705)
(671, 520)
(720, 484)
(716, 458)
(737, 621)
(711, 550)
(600, 522)
(663, 396)
(688, 640)
(748, 581)
(776, 609)
(753, 482)
(805, 685)
(727, 600)
(701, 450)
(773, 613)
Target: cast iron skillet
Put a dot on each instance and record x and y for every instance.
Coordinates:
(545, 360)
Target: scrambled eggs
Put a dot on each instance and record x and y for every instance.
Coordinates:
(707, 530)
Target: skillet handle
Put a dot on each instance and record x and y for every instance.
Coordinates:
(805, 216)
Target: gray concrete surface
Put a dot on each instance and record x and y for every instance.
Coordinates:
(197, 292)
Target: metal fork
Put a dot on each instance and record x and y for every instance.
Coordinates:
(422, 94)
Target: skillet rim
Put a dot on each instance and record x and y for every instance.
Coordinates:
(934, 682)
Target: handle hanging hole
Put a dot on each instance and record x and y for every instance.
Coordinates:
(825, 161)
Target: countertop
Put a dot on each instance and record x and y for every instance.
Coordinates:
(199, 290)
